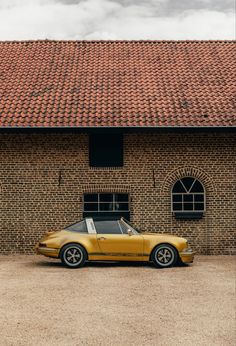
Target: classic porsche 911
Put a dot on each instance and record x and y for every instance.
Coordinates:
(112, 240)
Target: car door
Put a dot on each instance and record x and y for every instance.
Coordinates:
(116, 244)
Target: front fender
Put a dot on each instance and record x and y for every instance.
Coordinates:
(150, 243)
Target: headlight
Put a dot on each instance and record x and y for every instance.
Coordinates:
(188, 249)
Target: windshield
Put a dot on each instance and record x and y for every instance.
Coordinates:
(128, 224)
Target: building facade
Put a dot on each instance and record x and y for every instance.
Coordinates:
(144, 130)
(47, 183)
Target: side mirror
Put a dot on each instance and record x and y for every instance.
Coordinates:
(129, 232)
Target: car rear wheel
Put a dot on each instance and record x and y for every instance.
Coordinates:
(73, 256)
(164, 256)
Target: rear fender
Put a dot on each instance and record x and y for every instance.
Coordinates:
(61, 250)
(87, 241)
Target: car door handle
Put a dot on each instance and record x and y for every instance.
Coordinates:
(102, 238)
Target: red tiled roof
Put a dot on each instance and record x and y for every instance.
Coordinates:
(117, 84)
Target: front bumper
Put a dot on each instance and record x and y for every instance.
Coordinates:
(46, 251)
(187, 255)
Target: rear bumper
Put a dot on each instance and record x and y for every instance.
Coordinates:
(46, 251)
(187, 256)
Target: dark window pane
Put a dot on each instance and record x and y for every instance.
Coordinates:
(90, 197)
(106, 197)
(188, 198)
(199, 206)
(107, 227)
(199, 198)
(106, 150)
(177, 206)
(106, 206)
(105, 203)
(188, 206)
(197, 187)
(177, 198)
(178, 187)
(121, 197)
(121, 206)
(188, 181)
(78, 227)
(90, 206)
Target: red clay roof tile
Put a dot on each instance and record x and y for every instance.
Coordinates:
(117, 83)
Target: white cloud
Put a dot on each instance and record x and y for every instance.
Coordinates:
(106, 19)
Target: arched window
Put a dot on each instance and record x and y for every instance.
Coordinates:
(188, 198)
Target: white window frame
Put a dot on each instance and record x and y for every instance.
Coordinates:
(113, 202)
(188, 193)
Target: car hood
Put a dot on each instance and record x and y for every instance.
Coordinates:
(157, 234)
(149, 235)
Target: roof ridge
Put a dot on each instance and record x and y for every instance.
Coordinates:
(115, 41)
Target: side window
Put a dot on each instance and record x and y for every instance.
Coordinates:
(78, 227)
(107, 227)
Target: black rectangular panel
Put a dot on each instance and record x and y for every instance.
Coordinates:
(106, 150)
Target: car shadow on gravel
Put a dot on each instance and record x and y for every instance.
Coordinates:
(101, 264)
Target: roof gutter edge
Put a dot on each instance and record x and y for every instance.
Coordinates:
(114, 127)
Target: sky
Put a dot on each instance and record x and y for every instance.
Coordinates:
(117, 19)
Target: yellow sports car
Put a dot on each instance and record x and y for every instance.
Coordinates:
(112, 240)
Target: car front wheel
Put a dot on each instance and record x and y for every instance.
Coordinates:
(73, 256)
(164, 256)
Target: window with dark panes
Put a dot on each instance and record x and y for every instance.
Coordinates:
(106, 150)
(108, 227)
(188, 198)
(106, 204)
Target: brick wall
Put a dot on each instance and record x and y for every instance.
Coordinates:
(43, 178)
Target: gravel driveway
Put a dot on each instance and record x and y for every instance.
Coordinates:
(43, 303)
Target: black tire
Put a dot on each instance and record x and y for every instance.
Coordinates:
(73, 255)
(164, 256)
